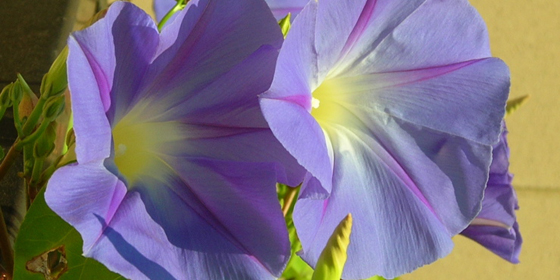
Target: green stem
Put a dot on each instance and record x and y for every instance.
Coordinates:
(179, 6)
(36, 173)
(34, 117)
(17, 120)
(35, 135)
(288, 199)
(28, 161)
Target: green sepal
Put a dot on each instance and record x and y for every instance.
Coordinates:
(45, 144)
(53, 108)
(16, 93)
(332, 259)
(28, 100)
(5, 99)
(285, 24)
(55, 81)
(5, 96)
(44, 234)
(514, 104)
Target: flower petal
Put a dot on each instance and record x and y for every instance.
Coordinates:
(162, 7)
(503, 242)
(405, 35)
(186, 218)
(76, 204)
(407, 190)
(453, 99)
(131, 41)
(243, 145)
(302, 136)
(224, 121)
(280, 8)
(298, 67)
(204, 42)
(496, 227)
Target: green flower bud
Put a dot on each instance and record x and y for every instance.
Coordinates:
(27, 104)
(513, 104)
(285, 24)
(55, 81)
(16, 93)
(45, 144)
(332, 259)
(53, 108)
(70, 137)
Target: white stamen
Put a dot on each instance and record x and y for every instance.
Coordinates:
(315, 102)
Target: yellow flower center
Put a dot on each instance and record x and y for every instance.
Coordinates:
(139, 143)
(326, 102)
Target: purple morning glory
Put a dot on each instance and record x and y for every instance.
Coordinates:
(496, 226)
(280, 8)
(176, 166)
(393, 107)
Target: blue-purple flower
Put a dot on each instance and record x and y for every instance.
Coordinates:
(496, 226)
(392, 107)
(279, 8)
(176, 166)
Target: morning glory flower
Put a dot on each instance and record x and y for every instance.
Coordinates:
(176, 166)
(392, 107)
(496, 226)
(279, 8)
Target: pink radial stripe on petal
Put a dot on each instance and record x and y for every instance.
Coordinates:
(360, 27)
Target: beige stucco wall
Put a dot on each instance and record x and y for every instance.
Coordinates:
(526, 35)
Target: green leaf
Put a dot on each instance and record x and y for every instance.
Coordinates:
(514, 104)
(285, 24)
(297, 269)
(332, 259)
(47, 241)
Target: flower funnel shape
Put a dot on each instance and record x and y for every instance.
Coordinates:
(176, 166)
(392, 107)
(279, 8)
(496, 226)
